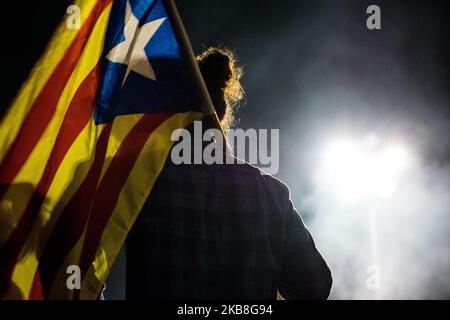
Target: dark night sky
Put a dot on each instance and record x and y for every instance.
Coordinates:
(312, 69)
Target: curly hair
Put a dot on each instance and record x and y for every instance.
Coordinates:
(222, 76)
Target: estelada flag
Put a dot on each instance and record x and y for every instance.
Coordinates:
(83, 143)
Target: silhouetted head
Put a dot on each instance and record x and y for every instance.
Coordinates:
(222, 74)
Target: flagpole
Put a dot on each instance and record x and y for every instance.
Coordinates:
(207, 104)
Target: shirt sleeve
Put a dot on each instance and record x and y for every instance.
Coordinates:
(304, 274)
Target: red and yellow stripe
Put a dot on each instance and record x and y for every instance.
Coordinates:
(70, 190)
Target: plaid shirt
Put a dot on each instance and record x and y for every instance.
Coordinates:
(222, 232)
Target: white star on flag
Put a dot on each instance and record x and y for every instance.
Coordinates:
(131, 51)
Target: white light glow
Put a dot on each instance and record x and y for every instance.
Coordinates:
(355, 168)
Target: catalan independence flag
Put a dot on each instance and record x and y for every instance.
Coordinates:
(83, 143)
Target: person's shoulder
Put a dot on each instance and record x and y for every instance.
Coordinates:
(267, 180)
(273, 192)
(275, 183)
(233, 168)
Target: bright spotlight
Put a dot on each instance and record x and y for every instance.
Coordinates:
(387, 188)
(344, 167)
(355, 168)
(393, 160)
